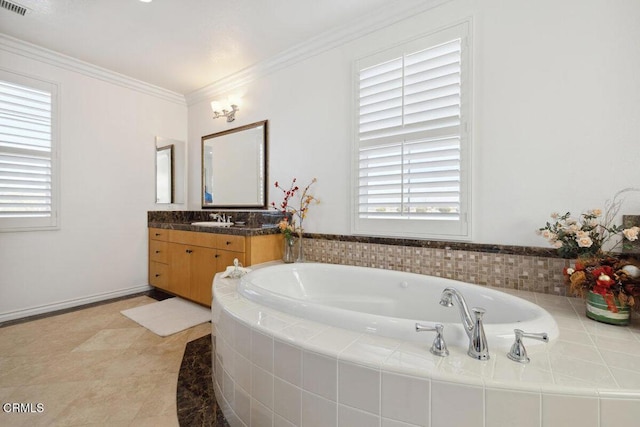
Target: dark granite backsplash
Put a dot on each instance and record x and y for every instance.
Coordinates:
(262, 219)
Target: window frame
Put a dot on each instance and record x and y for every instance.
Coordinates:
(51, 222)
(419, 228)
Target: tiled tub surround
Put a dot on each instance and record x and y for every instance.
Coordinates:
(513, 267)
(273, 369)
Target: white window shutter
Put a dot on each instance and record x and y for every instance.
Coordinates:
(410, 137)
(26, 156)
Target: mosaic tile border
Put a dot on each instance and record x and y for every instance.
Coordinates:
(505, 270)
(440, 244)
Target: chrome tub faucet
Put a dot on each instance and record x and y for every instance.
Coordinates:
(478, 347)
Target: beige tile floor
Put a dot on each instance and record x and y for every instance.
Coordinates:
(92, 367)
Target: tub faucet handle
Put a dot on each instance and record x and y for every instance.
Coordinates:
(518, 352)
(439, 347)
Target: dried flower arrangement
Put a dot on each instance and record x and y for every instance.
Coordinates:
(298, 212)
(609, 276)
(606, 273)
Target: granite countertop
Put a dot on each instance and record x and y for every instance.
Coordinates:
(233, 230)
(256, 223)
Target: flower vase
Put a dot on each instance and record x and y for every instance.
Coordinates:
(300, 250)
(607, 309)
(288, 255)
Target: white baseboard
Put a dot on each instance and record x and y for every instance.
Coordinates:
(61, 305)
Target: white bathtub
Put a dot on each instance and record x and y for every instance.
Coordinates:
(274, 369)
(389, 303)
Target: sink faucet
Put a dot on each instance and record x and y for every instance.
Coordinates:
(220, 217)
(478, 347)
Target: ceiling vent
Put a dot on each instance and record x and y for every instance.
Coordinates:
(13, 7)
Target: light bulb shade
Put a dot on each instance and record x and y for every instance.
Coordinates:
(216, 106)
(227, 108)
(235, 100)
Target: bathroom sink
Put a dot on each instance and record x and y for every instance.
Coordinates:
(212, 224)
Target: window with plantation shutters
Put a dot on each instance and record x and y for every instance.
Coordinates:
(411, 165)
(27, 155)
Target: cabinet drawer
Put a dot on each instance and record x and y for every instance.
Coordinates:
(158, 234)
(158, 274)
(158, 251)
(206, 240)
(228, 242)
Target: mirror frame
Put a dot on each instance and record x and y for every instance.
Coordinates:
(265, 165)
(179, 166)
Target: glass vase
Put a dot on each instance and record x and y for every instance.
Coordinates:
(288, 255)
(300, 248)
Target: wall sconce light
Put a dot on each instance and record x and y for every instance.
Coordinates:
(226, 109)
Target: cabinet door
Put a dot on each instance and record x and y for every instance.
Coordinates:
(203, 268)
(179, 269)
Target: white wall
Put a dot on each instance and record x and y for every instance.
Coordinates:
(556, 107)
(107, 143)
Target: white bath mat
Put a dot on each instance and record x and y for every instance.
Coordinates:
(169, 316)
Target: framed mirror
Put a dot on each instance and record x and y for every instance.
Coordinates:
(170, 171)
(164, 174)
(234, 167)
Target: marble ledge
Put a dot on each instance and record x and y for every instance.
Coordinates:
(255, 219)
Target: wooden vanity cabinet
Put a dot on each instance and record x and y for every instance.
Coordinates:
(187, 264)
(194, 258)
(159, 258)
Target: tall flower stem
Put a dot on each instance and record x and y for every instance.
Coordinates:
(295, 213)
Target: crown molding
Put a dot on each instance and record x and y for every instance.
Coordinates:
(335, 37)
(32, 51)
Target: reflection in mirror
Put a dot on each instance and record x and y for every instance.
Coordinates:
(234, 167)
(164, 174)
(170, 170)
